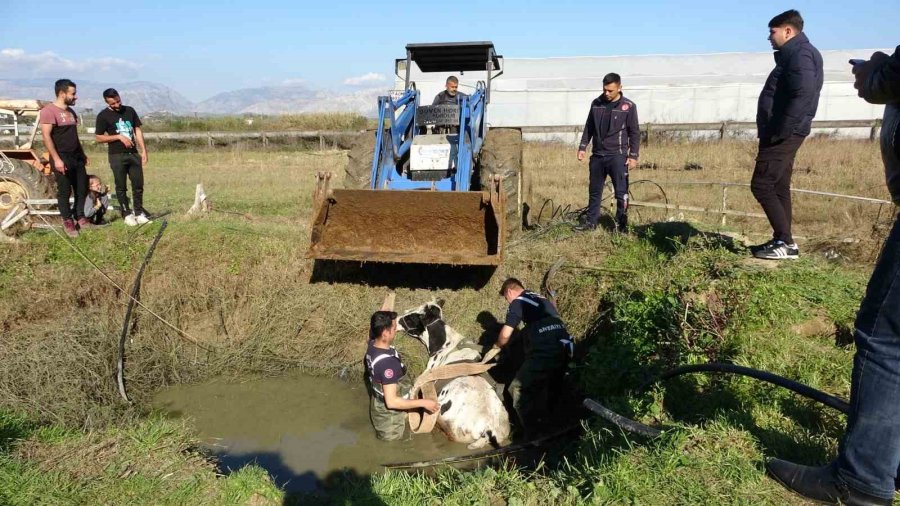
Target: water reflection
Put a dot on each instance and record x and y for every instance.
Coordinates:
(301, 430)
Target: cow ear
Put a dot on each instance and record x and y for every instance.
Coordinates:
(439, 303)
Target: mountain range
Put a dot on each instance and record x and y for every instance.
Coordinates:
(148, 97)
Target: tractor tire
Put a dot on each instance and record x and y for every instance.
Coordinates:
(358, 172)
(19, 180)
(501, 155)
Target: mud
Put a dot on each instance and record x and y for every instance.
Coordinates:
(407, 227)
(301, 430)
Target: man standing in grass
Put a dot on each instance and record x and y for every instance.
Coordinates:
(869, 455)
(119, 127)
(612, 125)
(59, 131)
(787, 105)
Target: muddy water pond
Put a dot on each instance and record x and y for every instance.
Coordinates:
(300, 429)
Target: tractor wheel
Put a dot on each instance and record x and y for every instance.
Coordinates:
(358, 173)
(501, 155)
(19, 180)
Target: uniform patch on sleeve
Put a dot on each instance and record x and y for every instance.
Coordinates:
(625, 107)
(388, 373)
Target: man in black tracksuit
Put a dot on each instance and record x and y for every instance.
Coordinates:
(612, 125)
(787, 105)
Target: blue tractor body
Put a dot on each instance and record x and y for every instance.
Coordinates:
(425, 198)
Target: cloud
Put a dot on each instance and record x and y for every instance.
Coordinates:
(365, 79)
(293, 81)
(19, 63)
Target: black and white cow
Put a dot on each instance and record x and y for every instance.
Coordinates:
(471, 410)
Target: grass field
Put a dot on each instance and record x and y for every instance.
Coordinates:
(678, 290)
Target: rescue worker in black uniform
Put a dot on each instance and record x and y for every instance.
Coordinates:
(612, 125)
(548, 348)
(387, 380)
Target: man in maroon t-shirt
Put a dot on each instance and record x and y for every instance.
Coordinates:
(59, 130)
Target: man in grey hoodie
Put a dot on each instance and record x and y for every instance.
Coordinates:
(868, 459)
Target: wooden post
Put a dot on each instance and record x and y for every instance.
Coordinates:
(724, 203)
(873, 133)
(209, 140)
(265, 139)
(649, 132)
(722, 132)
(321, 143)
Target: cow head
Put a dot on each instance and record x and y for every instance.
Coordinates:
(426, 323)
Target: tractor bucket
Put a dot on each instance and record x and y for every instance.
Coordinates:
(398, 226)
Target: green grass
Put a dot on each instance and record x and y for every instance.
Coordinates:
(674, 293)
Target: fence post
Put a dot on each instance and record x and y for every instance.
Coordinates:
(321, 143)
(724, 204)
(265, 139)
(209, 139)
(722, 130)
(649, 132)
(873, 132)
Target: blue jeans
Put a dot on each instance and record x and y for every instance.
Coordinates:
(613, 166)
(869, 455)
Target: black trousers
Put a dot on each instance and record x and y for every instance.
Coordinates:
(73, 181)
(771, 183)
(615, 167)
(127, 166)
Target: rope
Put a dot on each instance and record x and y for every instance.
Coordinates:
(80, 253)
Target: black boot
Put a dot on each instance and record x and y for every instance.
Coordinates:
(819, 484)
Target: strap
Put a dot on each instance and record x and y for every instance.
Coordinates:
(424, 422)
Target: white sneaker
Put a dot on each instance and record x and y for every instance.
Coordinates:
(131, 220)
(142, 219)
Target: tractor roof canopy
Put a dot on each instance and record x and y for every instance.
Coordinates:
(453, 56)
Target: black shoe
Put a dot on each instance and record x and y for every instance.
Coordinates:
(584, 227)
(759, 247)
(819, 484)
(778, 251)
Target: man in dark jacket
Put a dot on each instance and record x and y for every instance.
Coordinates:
(451, 94)
(784, 115)
(869, 455)
(612, 125)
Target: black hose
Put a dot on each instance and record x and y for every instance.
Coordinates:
(619, 420)
(645, 430)
(799, 388)
(135, 294)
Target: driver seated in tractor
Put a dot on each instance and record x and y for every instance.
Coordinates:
(450, 95)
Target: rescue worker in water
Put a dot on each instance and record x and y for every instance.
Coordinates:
(387, 380)
(548, 349)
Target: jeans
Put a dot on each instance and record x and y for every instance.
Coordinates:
(613, 166)
(73, 181)
(869, 454)
(771, 183)
(128, 165)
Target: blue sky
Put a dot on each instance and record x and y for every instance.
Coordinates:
(203, 48)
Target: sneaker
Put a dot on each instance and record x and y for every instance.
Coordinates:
(131, 220)
(584, 227)
(759, 247)
(142, 219)
(69, 227)
(84, 223)
(778, 250)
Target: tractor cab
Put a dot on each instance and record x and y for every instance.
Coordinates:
(437, 144)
